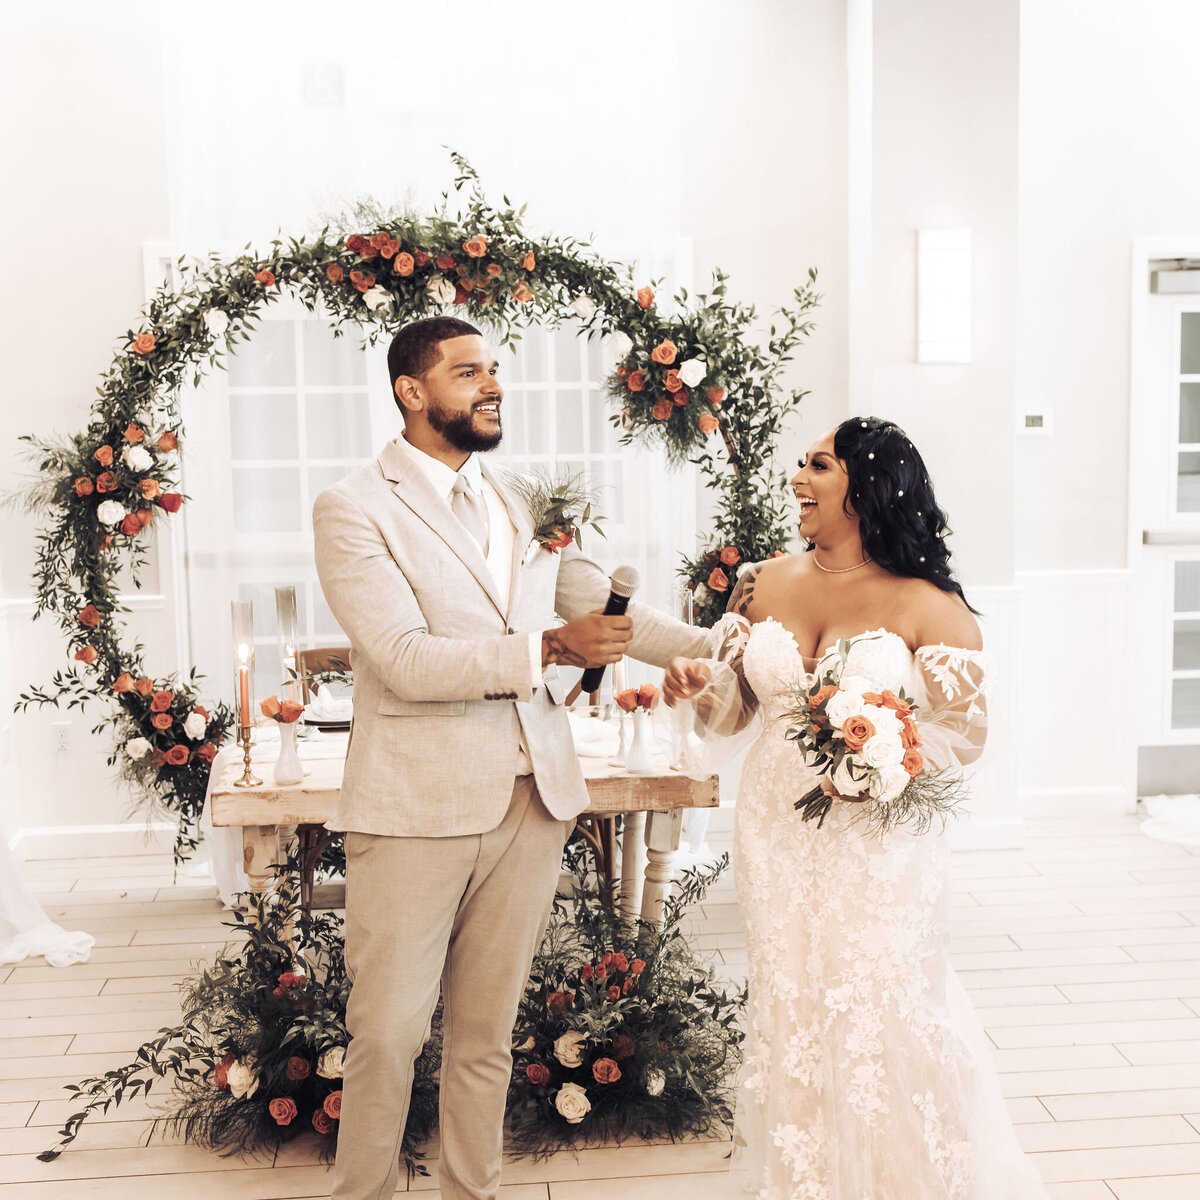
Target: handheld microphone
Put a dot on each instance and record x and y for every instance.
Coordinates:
(622, 584)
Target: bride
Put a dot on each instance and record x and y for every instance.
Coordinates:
(869, 1074)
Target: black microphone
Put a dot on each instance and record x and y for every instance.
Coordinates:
(622, 584)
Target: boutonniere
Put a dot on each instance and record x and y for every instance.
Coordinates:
(559, 505)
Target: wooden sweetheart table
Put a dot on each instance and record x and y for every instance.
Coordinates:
(652, 807)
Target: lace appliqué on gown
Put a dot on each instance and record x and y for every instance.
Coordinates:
(867, 1071)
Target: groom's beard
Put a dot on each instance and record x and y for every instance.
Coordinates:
(458, 428)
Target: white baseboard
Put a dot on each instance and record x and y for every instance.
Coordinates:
(1077, 802)
(91, 841)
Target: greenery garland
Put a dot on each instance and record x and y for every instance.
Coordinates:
(256, 1058)
(694, 381)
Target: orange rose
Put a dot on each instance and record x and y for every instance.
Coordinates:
(856, 731)
(560, 541)
(133, 433)
(627, 700)
(828, 690)
(103, 541)
(731, 556)
(468, 284)
(161, 720)
(86, 654)
(103, 455)
(333, 1104)
(521, 294)
(715, 396)
(614, 992)
(892, 701)
(647, 694)
(708, 423)
(637, 967)
(671, 380)
(161, 701)
(167, 440)
(623, 1047)
(681, 398)
(289, 710)
(283, 1109)
(538, 1074)
(106, 481)
(422, 257)
(89, 616)
(207, 752)
(404, 263)
(364, 283)
(334, 273)
(143, 343)
(645, 297)
(476, 247)
(149, 488)
(559, 1002)
(265, 277)
(528, 262)
(270, 707)
(84, 486)
(718, 581)
(143, 686)
(605, 1070)
(444, 262)
(221, 1071)
(177, 756)
(913, 763)
(130, 525)
(910, 735)
(494, 269)
(298, 1068)
(664, 353)
(144, 516)
(661, 410)
(873, 698)
(636, 381)
(123, 683)
(619, 959)
(321, 1121)
(170, 501)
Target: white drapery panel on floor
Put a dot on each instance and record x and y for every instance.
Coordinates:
(25, 930)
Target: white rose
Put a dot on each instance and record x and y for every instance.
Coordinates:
(525, 1047)
(583, 307)
(655, 1082)
(569, 1049)
(440, 290)
(195, 726)
(621, 344)
(137, 458)
(844, 782)
(137, 748)
(331, 1064)
(692, 372)
(701, 595)
(884, 720)
(216, 321)
(882, 751)
(892, 781)
(627, 419)
(378, 297)
(572, 1103)
(843, 705)
(110, 512)
(243, 1082)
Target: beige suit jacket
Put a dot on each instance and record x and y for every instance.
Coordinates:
(442, 695)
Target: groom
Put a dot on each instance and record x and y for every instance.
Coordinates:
(461, 782)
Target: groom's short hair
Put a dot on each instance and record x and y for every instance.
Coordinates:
(415, 348)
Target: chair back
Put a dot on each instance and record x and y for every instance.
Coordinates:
(322, 658)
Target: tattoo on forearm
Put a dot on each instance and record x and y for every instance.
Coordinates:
(557, 651)
(743, 591)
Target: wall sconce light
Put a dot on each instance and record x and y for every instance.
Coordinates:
(943, 295)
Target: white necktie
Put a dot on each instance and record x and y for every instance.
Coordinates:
(470, 509)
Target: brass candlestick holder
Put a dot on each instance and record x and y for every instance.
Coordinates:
(248, 778)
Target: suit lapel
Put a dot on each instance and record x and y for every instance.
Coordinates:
(411, 486)
(522, 529)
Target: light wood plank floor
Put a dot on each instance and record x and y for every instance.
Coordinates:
(1081, 953)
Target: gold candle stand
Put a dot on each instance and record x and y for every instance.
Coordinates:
(248, 779)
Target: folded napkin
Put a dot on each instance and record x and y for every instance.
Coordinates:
(327, 705)
(594, 738)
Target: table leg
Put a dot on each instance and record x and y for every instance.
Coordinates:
(260, 856)
(633, 863)
(662, 841)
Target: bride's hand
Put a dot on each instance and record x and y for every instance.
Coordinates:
(685, 678)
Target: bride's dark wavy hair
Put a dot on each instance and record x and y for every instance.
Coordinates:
(889, 490)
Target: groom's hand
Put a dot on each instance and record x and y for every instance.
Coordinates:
(593, 640)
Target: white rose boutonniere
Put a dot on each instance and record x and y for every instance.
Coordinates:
(572, 1103)
(568, 1049)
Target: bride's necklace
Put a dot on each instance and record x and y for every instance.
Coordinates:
(838, 570)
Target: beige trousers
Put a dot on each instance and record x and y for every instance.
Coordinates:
(468, 912)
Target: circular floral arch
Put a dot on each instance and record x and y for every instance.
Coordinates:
(693, 379)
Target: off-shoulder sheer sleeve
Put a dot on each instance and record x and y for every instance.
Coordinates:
(953, 719)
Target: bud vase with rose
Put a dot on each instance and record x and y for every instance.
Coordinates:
(639, 759)
(285, 713)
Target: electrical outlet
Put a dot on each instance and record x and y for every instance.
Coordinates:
(62, 736)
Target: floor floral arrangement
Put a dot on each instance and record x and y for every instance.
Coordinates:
(623, 1031)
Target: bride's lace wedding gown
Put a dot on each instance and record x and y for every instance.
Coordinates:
(868, 1074)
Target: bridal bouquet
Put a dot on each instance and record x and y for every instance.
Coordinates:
(866, 746)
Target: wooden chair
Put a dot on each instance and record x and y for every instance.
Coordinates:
(312, 662)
